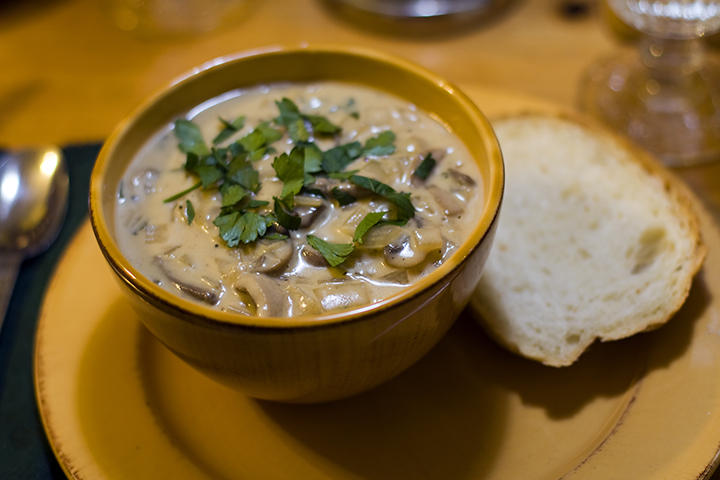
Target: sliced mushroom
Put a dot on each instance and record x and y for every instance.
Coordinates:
(342, 295)
(308, 209)
(135, 222)
(460, 178)
(303, 301)
(447, 201)
(271, 256)
(207, 295)
(380, 237)
(259, 295)
(275, 227)
(156, 233)
(398, 276)
(413, 249)
(313, 257)
(374, 169)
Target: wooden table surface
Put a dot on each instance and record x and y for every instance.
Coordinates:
(70, 75)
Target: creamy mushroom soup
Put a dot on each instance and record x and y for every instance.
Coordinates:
(286, 200)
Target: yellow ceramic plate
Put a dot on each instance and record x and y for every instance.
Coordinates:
(116, 404)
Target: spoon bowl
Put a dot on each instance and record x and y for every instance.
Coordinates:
(33, 202)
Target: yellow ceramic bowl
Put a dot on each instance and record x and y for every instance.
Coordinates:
(309, 358)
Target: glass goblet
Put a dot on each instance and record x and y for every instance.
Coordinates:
(666, 97)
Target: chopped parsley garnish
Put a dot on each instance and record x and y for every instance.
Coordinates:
(343, 175)
(291, 170)
(342, 197)
(284, 214)
(313, 158)
(337, 253)
(232, 194)
(425, 168)
(334, 253)
(256, 143)
(322, 125)
(297, 123)
(230, 128)
(275, 236)
(236, 227)
(298, 131)
(337, 158)
(380, 145)
(183, 193)
(189, 211)
(401, 200)
(230, 170)
(242, 172)
(370, 220)
(190, 137)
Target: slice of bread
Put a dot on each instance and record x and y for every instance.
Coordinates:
(595, 241)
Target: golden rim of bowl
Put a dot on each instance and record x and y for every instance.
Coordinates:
(197, 313)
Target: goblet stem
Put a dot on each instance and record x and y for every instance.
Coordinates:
(668, 101)
(671, 58)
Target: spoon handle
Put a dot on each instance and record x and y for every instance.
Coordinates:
(9, 266)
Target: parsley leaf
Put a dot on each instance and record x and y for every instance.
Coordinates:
(284, 214)
(380, 145)
(343, 197)
(236, 227)
(231, 194)
(291, 118)
(313, 158)
(425, 168)
(189, 211)
(291, 170)
(401, 200)
(297, 131)
(209, 174)
(183, 193)
(242, 172)
(370, 220)
(271, 135)
(343, 175)
(275, 236)
(257, 141)
(190, 137)
(230, 128)
(322, 125)
(337, 158)
(289, 112)
(334, 253)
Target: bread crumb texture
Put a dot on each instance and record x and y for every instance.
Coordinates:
(592, 242)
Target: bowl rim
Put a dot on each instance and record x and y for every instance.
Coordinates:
(194, 312)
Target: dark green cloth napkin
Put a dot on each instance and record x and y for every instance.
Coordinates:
(24, 451)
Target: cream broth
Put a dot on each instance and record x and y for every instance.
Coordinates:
(288, 277)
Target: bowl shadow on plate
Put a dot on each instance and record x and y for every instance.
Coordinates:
(438, 420)
(606, 369)
(445, 417)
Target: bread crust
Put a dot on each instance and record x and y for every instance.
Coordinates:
(683, 203)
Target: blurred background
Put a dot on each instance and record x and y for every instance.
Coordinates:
(74, 68)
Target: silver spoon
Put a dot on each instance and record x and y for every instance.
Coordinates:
(33, 202)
